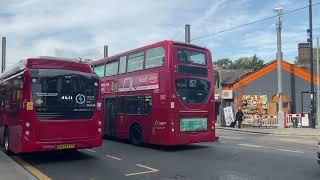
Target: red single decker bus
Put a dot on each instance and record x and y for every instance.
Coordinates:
(50, 104)
(159, 94)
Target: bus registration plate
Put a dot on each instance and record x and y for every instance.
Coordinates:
(193, 124)
(65, 146)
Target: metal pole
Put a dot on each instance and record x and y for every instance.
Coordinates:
(187, 33)
(318, 85)
(279, 59)
(105, 51)
(3, 64)
(311, 67)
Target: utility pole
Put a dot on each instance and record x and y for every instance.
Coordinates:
(279, 11)
(105, 50)
(3, 64)
(312, 107)
(187, 33)
(318, 85)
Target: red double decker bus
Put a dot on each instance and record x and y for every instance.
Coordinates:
(49, 104)
(159, 94)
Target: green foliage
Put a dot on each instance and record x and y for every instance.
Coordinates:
(253, 62)
(225, 63)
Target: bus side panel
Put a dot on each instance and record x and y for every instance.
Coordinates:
(163, 113)
(2, 125)
(15, 138)
(13, 106)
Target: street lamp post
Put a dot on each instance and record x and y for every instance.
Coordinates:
(312, 107)
(279, 11)
(318, 84)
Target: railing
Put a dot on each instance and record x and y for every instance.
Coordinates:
(291, 121)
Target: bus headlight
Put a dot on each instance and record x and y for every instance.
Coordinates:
(27, 133)
(27, 124)
(99, 123)
(99, 130)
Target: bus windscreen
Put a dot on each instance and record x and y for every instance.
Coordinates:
(63, 94)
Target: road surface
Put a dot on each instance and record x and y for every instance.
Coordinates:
(238, 156)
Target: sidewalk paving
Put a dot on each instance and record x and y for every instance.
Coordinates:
(10, 170)
(300, 132)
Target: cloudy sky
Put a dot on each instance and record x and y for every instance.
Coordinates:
(81, 28)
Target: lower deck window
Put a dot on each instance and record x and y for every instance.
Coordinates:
(140, 104)
(134, 105)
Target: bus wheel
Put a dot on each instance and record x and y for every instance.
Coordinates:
(6, 142)
(136, 135)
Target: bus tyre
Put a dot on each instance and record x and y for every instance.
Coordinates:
(6, 142)
(136, 135)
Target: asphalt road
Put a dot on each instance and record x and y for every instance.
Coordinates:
(237, 156)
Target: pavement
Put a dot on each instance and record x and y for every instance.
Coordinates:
(10, 170)
(237, 155)
(295, 132)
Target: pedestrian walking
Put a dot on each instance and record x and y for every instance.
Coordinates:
(239, 117)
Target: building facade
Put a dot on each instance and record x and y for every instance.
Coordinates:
(256, 92)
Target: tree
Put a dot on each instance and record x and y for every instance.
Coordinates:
(224, 63)
(253, 62)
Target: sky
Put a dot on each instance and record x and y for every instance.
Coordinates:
(81, 28)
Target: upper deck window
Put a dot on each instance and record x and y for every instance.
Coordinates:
(191, 57)
(99, 70)
(111, 68)
(155, 57)
(122, 64)
(135, 62)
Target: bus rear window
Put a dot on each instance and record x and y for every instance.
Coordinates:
(63, 94)
(193, 91)
(191, 57)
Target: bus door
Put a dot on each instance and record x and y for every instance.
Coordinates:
(110, 116)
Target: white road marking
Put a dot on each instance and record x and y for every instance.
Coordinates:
(231, 137)
(299, 141)
(113, 157)
(150, 170)
(251, 145)
(90, 150)
(266, 147)
(288, 150)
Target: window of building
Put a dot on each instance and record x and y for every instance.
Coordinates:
(123, 64)
(135, 62)
(147, 104)
(99, 70)
(111, 68)
(155, 57)
(134, 105)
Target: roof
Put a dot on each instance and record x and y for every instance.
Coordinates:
(268, 68)
(111, 58)
(47, 63)
(229, 76)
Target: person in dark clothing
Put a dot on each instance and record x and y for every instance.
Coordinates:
(239, 117)
(233, 124)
